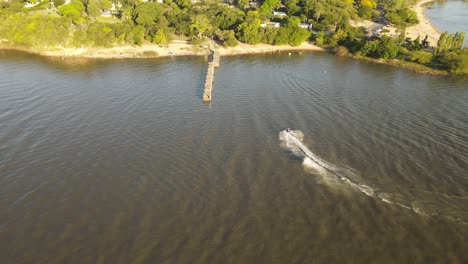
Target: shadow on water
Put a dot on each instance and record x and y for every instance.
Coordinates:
(201, 81)
(71, 64)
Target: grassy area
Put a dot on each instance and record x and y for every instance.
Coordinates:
(110, 20)
(412, 66)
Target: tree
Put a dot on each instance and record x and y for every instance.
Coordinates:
(103, 4)
(135, 36)
(403, 18)
(385, 48)
(456, 61)
(268, 6)
(200, 24)
(319, 38)
(291, 34)
(339, 35)
(292, 7)
(366, 12)
(449, 42)
(93, 9)
(58, 2)
(160, 37)
(368, 3)
(388, 49)
(425, 42)
(392, 5)
(458, 40)
(146, 13)
(370, 48)
(242, 4)
(99, 34)
(226, 18)
(421, 56)
(72, 11)
(228, 38)
(248, 31)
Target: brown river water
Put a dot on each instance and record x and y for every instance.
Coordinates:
(119, 161)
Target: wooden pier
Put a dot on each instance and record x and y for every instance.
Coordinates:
(213, 61)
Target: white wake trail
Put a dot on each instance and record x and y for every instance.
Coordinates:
(292, 141)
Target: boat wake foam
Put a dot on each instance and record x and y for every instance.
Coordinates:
(293, 141)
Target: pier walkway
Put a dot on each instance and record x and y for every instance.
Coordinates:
(213, 61)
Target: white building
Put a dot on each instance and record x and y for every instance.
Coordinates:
(279, 13)
(29, 4)
(271, 24)
(106, 13)
(305, 26)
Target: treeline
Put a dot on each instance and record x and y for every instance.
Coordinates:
(135, 22)
(449, 53)
(80, 24)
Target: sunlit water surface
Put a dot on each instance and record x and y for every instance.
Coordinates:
(120, 162)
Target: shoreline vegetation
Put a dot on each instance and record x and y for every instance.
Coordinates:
(391, 43)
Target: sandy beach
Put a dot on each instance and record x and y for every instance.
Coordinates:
(128, 51)
(265, 48)
(425, 27)
(176, 48)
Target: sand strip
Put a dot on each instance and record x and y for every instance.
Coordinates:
(425, 27)
(155, 51)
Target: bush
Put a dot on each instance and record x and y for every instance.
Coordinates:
(385, 48)
(342, 51)
(320, 38)
(135, 36)
(366, 12)
(403, 18)
(160, 37)
(421, 56)
(228, 38)
(457, 61)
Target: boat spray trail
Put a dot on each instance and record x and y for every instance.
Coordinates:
(293, 141)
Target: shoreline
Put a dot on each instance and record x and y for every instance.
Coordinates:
(425, 26)
(173, 49)
(183, 48)
(410, 66)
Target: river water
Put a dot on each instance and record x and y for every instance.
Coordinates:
(451, 15)
(119, 161)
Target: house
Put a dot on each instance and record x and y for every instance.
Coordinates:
(29, 4)
(305, 26)
(116, 8)
(271, 24)
(253, 4)
(106, 13)
(279, 13)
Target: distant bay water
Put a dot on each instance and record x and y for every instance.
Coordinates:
(451, 15)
